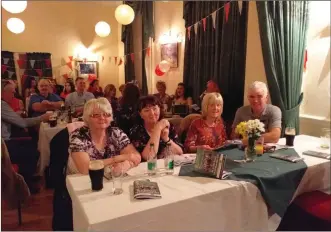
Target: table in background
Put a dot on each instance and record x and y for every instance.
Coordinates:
(187, 203)
(46, 133)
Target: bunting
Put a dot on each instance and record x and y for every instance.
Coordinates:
(204, 21)
(240, 5)
(48, 62)
(103, 58)
(32, 63)
(196, 28)
(189, 32)
(20, 64)
(119, 63)
(227, 10)
(3, 68)
(132, 57)
(40, 72)
(5, 60)
(115, 60)
(148, 51)
(213, 16)
(10, 74)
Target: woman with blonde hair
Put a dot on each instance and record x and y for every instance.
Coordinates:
(99, 141)
(207, 132)
(110, 94)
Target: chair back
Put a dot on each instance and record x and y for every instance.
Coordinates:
(62, 204)
(185, 125)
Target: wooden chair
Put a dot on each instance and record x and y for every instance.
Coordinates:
(185, 125)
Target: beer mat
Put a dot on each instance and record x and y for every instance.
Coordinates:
(276, 179)
(146, 189)
(108, 176)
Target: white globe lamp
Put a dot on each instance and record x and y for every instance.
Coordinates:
(14, 7)
(15, 25)
(124, 14)
(102, 29)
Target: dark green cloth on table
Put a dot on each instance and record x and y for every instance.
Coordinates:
(276, 179)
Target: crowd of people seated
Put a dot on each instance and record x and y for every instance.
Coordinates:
(119, 130)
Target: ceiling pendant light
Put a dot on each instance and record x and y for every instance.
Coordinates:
(124, 14)
(14, 7)
(15, 25)
(102, 29)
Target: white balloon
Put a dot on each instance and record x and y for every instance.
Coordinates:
(14, 7)
(124, 14)
(164, 66)
(102, 29)
(15, 25)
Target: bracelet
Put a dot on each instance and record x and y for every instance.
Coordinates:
(167, 141)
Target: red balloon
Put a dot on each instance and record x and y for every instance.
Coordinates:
(158, 71)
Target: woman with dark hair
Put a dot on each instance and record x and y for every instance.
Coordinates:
(152, 128)
(110, 94)
(69, 87)
(126, 113)
(30, 87)
(181, 96)
(95, 89)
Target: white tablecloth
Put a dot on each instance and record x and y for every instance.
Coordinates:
(188, 203)
(46, 133)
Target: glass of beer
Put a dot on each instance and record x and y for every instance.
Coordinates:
(290, 135)
(325, 138)
(117, 175)
(96, 171)
(259, 146)
(53, 120)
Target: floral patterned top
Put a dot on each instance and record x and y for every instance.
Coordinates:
(139, 138)
(200, 133)
(80, 141)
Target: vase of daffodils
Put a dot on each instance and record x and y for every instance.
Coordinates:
(250, 130)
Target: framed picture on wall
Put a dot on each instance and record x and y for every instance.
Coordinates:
(87, 68)
(169, 52)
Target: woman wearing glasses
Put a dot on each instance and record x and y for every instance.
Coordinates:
(98, 140)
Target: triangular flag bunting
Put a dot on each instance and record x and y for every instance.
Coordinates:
(115, 60)
(204, 21)
(148, 51)
(3, 68)
(119, 63)
(20, 63)
(213, 16)
(196, 28)
(240, 5)
(5, 60)
(103, 58)
(189, 32)
(109, 59)
(39, 71)
(132, 57)
(32, 63)
(10, 74)
(305, 61)
(227, 10)
(65, 76)
(48, 62)
(70, 58)
(69, 65)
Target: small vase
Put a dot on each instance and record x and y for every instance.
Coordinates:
(250, 153)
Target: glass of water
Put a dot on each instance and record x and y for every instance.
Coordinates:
(325, 138)
(117, 175)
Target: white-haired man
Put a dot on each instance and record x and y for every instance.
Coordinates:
(258, 108)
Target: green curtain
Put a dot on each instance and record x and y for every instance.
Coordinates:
(283, 29)
(217, 54)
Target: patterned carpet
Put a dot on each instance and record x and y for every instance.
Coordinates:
(36, 214)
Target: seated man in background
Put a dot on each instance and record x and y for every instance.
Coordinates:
(212, 87)
(23, 151)
(44, 100)
(78, 98)
(258, 108)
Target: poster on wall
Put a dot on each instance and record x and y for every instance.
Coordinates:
(169, 52)
(87, 68)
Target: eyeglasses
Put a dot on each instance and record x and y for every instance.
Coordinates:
(105, 115)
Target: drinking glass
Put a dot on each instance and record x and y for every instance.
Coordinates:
(259, 146)
(290, 135)
(117, 175)
(325, 138)
(96, 172)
